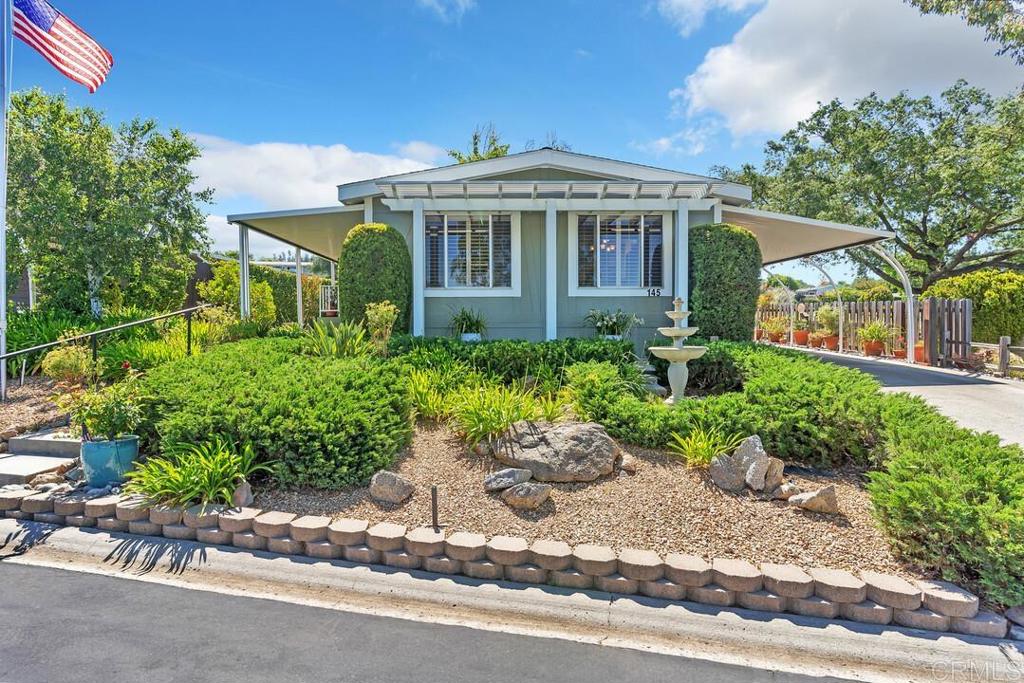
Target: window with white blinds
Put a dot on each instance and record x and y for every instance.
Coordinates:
(620, 251)
(468, 251)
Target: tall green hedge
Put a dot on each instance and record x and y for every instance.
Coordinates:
(998, 299)
(375, 266)
(282, 284)
(725, 267)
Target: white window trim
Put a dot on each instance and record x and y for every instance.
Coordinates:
(668, 228)
(457, 292)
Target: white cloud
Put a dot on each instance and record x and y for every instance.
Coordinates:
(282, 175)
(794, 53)
(688, 15)
(418, 150)
(689, 141)
(448, 10)
(279, 175)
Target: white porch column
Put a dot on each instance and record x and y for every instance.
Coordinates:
(368, 210)
(298, 286)
(418, 274)
(550, 272)
(681, 240)
(244, 309)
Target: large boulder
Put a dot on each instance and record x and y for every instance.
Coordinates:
(559, 451)
(753, 459)
(389, 487)
(728, 472)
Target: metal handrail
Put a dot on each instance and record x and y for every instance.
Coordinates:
(92, 336)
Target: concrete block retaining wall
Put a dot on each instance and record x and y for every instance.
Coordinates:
(868, 597)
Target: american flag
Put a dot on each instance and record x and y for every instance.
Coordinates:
(61, 42)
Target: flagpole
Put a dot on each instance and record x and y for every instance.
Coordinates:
(5, 72)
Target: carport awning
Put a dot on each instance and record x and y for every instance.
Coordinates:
(319, 231)
(783, 237)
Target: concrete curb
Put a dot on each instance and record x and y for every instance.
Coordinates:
(775, 641)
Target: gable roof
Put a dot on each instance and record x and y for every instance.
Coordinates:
(546, 157)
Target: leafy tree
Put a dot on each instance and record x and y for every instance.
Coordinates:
(484, 144)
(1003, 20)
(551, 140)
(788, 281)
(946, 176)
(102, 212)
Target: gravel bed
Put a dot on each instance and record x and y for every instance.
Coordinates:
(666, 506)
(29, 407)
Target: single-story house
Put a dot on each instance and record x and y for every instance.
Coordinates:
(535, 240)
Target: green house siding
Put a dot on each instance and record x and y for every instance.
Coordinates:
(519, 317)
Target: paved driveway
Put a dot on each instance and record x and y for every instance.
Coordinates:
(984, 403)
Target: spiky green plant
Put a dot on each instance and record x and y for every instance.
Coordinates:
(702, 444)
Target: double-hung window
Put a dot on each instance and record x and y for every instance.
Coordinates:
(620, 254)
(474, 254)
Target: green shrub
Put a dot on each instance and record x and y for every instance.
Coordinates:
(951, 500)
(725, 267)
(71, 364)
(467, 321)
(380, 321)
(701, 445)
(338, 340)
(715, 372)
(328, 422)
(282, 288)
(206, 472)
(224, 291)
(997, 298)
(827, 319)
(375, 265)
(512, 360)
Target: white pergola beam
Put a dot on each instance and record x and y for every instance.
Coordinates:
(550, 272)
(298, 287)
(244, 309)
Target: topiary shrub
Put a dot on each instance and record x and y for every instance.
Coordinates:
(374, 266)
(725, 266)
(998, 299)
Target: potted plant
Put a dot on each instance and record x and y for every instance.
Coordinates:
(828, 321)
(776, 327)
(468, 325)
(612, 324)
(919, 353)
(106, 417)
(801, 335)
(873, 337)
(814, 339)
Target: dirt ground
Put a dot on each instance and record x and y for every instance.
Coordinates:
(28, 407)
(666, 506)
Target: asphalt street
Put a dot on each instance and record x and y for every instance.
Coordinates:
(65, 625)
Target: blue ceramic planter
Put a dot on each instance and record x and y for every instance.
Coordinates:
(105, 462)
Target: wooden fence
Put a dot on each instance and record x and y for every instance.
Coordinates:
(943, 325)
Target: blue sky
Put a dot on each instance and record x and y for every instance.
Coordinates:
(289, 103)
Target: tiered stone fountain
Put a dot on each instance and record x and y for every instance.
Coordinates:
(677, 355)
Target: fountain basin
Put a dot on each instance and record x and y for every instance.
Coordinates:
(677, 354)
(678, 331)
(677, 315)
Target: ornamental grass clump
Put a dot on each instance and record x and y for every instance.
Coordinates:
(336, 340)
(482, 414)
(206, 472)
(702, 445)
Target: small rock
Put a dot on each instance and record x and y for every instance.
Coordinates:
(242, 496)
(656, 389)
(785, 491)
(527, 496)
(115, 489)
(47, 478)
(14, 487)
(628, 463)
(100, 491)
(1016, 633)
(823, 500)
(1016, 615)
(728, 473)
(390, 488)
(46, 487)
(773, 476)
(9, 433)
(506, 478)
(74, 474)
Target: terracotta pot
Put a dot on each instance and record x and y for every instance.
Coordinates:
(919, 353)
(759, 333)
(814, 342)
(831, 343)
(329, 314)
(800, 337)
(899, 353)
(874, 348)
(775, 337)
